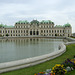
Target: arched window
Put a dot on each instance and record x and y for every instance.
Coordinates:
(37, 32)
(30, 32)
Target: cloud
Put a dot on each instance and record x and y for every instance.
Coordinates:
(59, 11)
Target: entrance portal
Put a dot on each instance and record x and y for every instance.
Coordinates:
(30, 32)
(37, 32)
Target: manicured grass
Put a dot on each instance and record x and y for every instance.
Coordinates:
(49, 64)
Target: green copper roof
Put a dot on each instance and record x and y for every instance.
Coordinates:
(67, 25)
(47, 22)
(5, 26)
(58, 26)
(35, 22)
(26, 22)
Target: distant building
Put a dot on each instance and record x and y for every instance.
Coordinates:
(36, 28)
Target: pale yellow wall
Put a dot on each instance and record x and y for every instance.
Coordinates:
(48, 28)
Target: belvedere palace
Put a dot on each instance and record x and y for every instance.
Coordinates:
(36, 28)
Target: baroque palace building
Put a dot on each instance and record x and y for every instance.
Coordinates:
(36, 28)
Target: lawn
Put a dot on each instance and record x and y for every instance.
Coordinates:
(46, 65)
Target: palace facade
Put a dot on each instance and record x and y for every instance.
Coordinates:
(36, 28)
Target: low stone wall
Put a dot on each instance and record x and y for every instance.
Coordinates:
(8, 66)
(70, 39)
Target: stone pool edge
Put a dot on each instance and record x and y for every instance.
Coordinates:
(14, 65)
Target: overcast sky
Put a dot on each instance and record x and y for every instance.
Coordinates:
(58, 11)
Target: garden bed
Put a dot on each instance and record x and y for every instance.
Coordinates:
(49, 64)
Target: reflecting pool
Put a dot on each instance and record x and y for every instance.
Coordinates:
(17, 49)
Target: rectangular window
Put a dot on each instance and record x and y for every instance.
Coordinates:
(3, 31)
(8, 31)
(11, 31)
(24, 31)
(58, 31)
(41, 31)
(50, 31)
(55, 31)
(16, 26)
(16, 31)
(21, 31)
(47, 31)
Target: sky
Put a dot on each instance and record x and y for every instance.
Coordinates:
(58, 11)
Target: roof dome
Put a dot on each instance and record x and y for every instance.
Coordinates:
(35, 22)
(67, 25)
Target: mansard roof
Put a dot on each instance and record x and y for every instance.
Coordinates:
(26, 22)
(67, 25)
(46, 22)
(58, 26)
(35, 22)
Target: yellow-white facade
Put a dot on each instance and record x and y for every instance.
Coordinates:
(36, 28)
